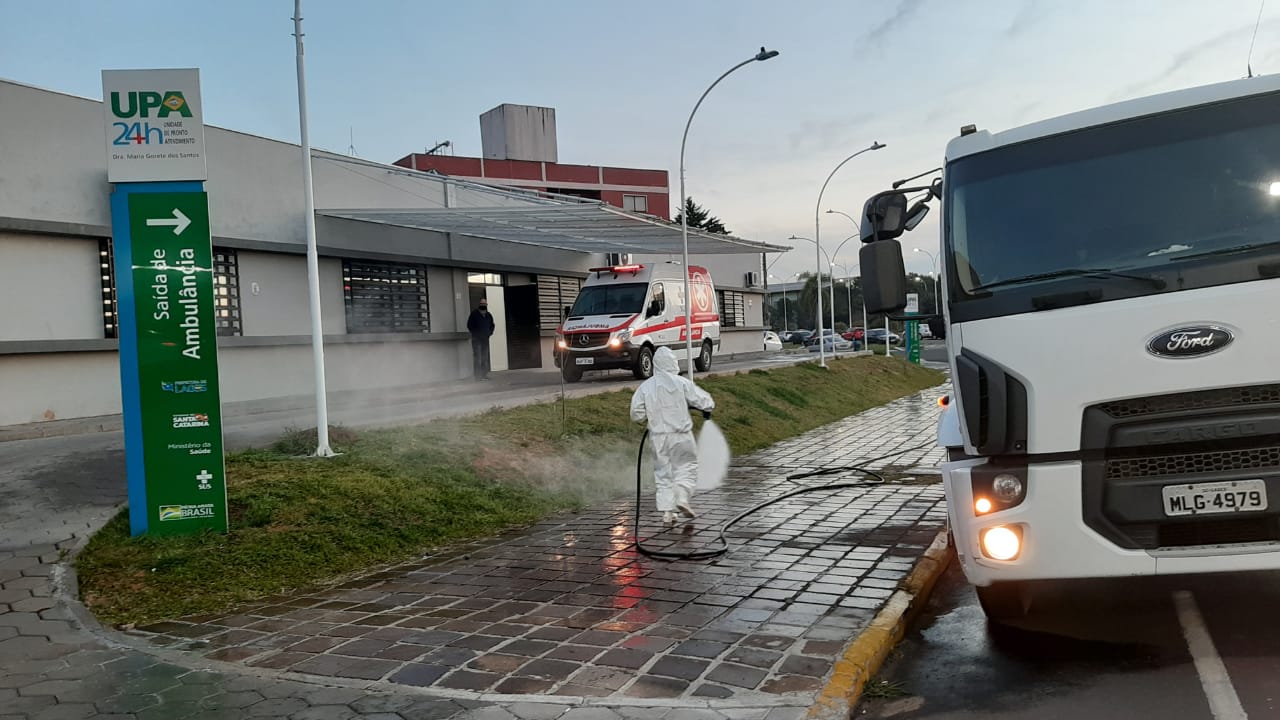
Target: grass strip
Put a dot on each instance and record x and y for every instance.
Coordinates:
(395, 494)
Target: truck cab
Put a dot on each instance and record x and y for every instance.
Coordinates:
(624, 313)
(1110, 280)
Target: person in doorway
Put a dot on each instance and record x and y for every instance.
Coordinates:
(663, 401)
(481, 327)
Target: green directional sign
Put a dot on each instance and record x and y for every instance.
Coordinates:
(177, 362)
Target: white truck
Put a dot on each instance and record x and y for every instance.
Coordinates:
(1111, 287)
(624, 313)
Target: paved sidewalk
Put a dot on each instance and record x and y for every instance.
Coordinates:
(562, 620)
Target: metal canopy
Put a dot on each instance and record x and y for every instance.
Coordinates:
(590, 228)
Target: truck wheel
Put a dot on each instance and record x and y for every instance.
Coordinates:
(570, 373)
(1005, 601)
(643, 369)
(703, 361)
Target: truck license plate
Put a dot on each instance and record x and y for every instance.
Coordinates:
(1229, 496)
(586, 361)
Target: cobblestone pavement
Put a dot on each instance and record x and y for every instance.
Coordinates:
(562, 620)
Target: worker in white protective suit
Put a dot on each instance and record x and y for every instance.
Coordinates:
(663, 401)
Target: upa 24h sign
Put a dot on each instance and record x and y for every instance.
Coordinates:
(165, 294)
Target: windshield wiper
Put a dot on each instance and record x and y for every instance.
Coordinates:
(1154, 282)
(1227, 250)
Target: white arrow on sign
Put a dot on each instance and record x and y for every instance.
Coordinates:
(178, 222)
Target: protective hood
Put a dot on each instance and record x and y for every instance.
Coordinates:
(664, 361)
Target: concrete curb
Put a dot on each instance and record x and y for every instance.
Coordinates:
(863, 659)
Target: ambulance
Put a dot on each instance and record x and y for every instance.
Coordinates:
(624, 313)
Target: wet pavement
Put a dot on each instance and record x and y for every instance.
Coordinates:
(562, 619)
(1102, 649)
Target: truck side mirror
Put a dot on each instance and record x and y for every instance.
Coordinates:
(915, 215)
(655, 309)
(884, 217)
(884, 277)
(566, 310)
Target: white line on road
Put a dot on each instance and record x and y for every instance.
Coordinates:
(1223, 701)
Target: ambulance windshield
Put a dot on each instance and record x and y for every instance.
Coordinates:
(621, 299)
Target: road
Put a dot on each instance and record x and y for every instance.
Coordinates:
(1181, 647)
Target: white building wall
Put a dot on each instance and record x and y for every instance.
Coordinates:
(274, 296)
(50, 287)
(56, 386)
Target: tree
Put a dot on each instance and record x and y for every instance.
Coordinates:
(700, 218)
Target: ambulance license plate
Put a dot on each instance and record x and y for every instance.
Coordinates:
(585, 361)
(1229, 496)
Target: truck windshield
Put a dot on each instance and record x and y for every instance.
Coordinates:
(623, 298)
(1184, 199)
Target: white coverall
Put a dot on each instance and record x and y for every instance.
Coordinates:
(664, 401)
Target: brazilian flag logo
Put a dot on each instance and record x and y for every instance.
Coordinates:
(170, 512)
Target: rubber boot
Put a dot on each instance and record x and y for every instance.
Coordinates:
(668, 518)
(682, 502)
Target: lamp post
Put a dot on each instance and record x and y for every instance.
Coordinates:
(313, 261)
(817, 240)
(684, 215)
(848, 296)
(831, 290)
(933, 263)
(857, 227)
(784, 298)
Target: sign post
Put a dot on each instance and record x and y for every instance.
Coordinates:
(912, 328)
(163, 256)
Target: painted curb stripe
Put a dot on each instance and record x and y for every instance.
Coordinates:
(864, 657)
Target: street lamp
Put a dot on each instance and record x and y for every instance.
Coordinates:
(817, 240)
(848, 297)
(784, 298)
(831, 290)
(684, 215)
(933, 263)
(857, 227)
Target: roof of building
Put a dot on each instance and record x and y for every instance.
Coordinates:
(585, 227)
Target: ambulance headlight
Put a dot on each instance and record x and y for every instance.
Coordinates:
(562, 344)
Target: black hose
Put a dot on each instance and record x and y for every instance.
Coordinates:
(873, 479)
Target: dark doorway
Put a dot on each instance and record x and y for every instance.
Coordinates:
(524, 344)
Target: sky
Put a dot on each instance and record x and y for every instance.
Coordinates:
(391, 77)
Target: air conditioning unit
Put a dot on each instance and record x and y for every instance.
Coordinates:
(753, 280)
(616, 259)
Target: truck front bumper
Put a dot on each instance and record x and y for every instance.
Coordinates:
(1056, 542)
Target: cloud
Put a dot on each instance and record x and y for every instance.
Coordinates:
(905, 10)
(1186, 57)
(1030, 13)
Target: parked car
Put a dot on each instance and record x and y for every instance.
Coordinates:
(853, 334)
(827, 336)
(797, 337)
(925, 332)
(876, 336)
(772, 343)
(832, 347)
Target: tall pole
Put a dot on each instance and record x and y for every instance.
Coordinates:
(684, 213)
(313, 259)
(933, 263)
(817, 240)
(857, 227)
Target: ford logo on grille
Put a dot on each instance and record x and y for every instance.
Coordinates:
(1190, 341)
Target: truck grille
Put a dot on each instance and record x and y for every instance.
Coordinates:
(1193, 463)
(1198, 400)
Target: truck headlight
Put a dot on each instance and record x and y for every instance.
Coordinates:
(1001, 543)
(1007, 488)
(562, 344)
